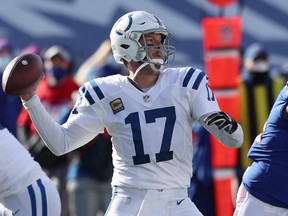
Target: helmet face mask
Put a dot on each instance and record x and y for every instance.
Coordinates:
(127, 32)
(165, 48)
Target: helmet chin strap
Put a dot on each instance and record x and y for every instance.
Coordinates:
(152, 63)
(158, 62)
(138, 70)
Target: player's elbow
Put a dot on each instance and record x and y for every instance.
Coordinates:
(56, 151)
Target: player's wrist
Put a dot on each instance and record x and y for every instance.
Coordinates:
(27, 96)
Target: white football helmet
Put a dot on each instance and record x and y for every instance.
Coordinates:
(126, 33)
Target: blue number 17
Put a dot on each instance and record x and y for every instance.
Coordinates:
(150, 117)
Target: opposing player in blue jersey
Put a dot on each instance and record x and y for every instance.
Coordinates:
(264, 188)
(149, 115)
(24, 187)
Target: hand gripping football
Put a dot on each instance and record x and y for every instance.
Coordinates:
(22, 74)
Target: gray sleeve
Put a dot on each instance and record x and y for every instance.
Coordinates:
(234, 140)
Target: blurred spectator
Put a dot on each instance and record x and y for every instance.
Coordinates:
(10, 105)
(256, 65)
(90, 172)
(281, 75)
(55, 92)
(258, 91)
(31, 48)
(6, 53)
(100, 63)
(283, 72)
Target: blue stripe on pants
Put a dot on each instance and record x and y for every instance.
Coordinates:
(33, 199)
(44, 198)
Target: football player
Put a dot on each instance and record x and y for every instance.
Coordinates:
(149, 115)
(25, 188)
(263, 190)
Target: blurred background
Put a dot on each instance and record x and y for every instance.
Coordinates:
(245, 58)
(83, 24)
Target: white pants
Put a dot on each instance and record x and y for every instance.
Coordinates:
(137, 202)
(39, 199)
(247, 205)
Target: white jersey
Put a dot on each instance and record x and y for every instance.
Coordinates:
(151, 131)
(17, 168)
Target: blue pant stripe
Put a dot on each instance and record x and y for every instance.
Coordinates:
(44, 198)
(33, 200)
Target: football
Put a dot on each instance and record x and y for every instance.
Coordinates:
(22, 74)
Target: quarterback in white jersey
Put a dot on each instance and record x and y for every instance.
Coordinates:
(149, 115)
(24, 188)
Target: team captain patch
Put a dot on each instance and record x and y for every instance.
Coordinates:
(117, 105)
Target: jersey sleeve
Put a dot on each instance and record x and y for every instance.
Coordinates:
(205, 103)
(204, 100)
(83, 124)
(88, 112)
